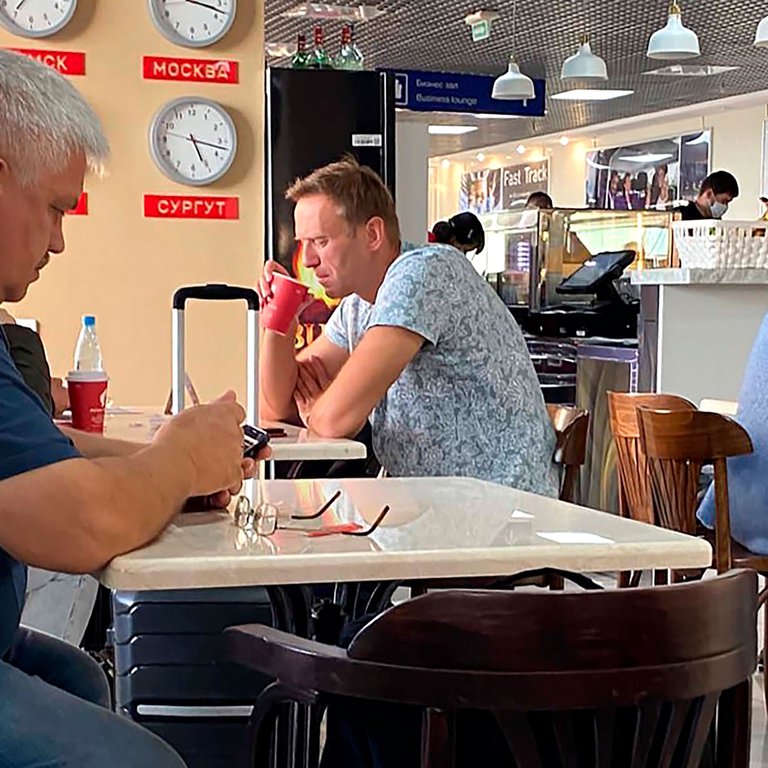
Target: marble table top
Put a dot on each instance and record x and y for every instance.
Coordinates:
(438, 527)
(140, 424)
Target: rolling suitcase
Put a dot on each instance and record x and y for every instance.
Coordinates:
(172, 674)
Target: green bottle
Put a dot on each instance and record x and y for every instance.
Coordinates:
(319, 58)
(300, 59)
(349, 54)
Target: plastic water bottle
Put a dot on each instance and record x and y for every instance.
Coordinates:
(88, 352)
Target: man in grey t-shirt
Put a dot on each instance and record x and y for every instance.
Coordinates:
(420, 344)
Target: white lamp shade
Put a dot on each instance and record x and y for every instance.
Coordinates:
(513, 85)
(584, 65)
(761, 37)
(673, 41)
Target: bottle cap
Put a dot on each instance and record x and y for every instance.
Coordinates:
(89, 320)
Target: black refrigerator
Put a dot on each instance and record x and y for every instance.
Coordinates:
(314, 117)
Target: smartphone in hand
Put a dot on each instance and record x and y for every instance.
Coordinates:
(254, 439)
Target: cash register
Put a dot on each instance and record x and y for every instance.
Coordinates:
(591, 305)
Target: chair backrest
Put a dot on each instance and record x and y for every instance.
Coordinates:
(572, 428)
(631, 671)
(634, 489)
(677, 444)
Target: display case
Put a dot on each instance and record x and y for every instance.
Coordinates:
(530, 253)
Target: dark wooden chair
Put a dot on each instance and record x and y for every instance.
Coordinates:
(677, 445)
(642, 678)
(571, 427)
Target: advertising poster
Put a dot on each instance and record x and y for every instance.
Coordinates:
(655, 174)
(502, 189)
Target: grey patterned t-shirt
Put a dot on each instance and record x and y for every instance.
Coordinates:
(469, 402)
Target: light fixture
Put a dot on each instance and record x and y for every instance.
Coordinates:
(588, 94)
(564, 141)
(446, 163)
(328, 11)
(480, 157)
(647, 157)
(513, 85)
(520, 149)
(761, 36)
(689, 70)
(450, 130)
(673, 41)
(584, 65)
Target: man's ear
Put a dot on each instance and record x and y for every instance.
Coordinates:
(375, 232)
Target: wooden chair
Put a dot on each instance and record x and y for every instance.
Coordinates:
(677, 445)
(562, 673)
(634, 490)
(572, 428)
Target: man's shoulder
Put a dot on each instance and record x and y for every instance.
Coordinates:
(434, 258)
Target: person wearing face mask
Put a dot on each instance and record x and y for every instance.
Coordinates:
(715, 194)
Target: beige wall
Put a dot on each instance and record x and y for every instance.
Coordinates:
(736, 147)
(124, 268)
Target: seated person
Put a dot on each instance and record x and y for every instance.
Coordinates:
(420, 344)
(73, 502)
(28, 353)
(717, 191)
(463, 231)
(748, 475)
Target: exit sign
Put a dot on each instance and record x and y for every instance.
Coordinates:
(481, 30)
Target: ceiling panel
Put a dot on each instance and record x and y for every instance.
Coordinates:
(431, 35)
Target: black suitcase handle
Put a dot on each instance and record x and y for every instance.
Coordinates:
(215, 292)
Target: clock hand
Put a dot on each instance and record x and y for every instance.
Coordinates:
(205, 5)
(197, 149)
(197, 141)
(18, 7)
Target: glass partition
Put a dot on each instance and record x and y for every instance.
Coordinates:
(529, 253)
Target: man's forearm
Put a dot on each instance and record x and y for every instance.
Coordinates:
(87, 512)
(277, 376)
(99, 447)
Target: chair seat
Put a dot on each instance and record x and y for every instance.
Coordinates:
(740, 555)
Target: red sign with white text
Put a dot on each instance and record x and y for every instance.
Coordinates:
(65, 62)
(81, 209)
(191, 70)
(191, 207)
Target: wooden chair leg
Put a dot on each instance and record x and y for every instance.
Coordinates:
(438, 738)
(765, 656)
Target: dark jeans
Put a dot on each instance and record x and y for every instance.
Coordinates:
(54, 713)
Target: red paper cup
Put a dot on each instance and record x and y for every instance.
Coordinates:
(88, 399)
(287, 296)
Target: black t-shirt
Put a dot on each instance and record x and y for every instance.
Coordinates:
(690, 212)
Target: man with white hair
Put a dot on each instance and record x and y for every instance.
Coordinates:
(72, 503)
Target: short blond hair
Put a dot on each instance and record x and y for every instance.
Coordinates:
(356, 189)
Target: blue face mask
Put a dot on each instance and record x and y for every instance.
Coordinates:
(718, 209)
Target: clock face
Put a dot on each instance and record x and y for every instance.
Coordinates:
(194, 23)
(36, 18)
(193, 140)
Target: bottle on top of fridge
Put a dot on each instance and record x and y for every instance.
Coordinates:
(300, 59)
(349, 56)
(319, 58)
(88, 351)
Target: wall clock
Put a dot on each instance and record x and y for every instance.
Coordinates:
(36, 18)
(192, 23)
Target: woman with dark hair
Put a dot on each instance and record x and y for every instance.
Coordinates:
(463, 231)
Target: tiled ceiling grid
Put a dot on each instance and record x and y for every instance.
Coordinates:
(431, 35)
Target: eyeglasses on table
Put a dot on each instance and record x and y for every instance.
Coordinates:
(263, 518)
